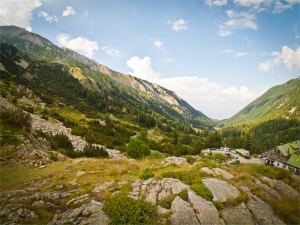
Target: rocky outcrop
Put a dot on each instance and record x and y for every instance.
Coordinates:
(91, 213)
(183, 213)
(173, 160)
(155, 190)
(206, 211)
(221, 194)
(226, 175)
(260, 210)
(238, 214)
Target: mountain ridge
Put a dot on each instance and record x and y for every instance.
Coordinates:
(28, 42)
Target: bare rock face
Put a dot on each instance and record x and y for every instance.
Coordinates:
(220, 189)
(238, 214)
(183, 213)
(155, 190)
(174, 160)
(282, 187)
(207, 213)
(86, 214)
(270, 193)
(226, 175)
(208, 171)
(260, 210)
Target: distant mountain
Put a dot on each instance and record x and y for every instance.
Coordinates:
(281, 101)
(132, 91)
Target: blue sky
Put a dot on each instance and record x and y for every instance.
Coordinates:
(218, 55)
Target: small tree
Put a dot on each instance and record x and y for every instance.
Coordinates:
(137, 148)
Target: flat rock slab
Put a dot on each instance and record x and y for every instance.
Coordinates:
(221, 190)
(238, 214)
(262, 211)
(226, 175)
(208, 171)
(86, 214)
(207, 213)
(183, 213)
(282, 187)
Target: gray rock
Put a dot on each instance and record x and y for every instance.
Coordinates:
(226, 175)
(183, 213)
(282, 187)
(99, 187)
(160, 210)
(269, 192)
(91, 213)
(207, 213)
(260, 210)
(238, 214)
(221, 190)
(208, 171)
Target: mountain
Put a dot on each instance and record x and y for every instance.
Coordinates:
(93, 75)
(278, 101)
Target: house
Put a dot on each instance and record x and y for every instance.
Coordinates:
(285, 156)
(244, 152)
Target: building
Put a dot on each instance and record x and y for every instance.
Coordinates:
(244, 152)
(285, 156)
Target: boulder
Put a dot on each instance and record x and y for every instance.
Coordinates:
(238, 214)
(207, 213)
(260, 210)
(208, 171)
(183, 213)
(221, 190)
(91, 213)
(226, 175)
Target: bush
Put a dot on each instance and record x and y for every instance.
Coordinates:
(190, 160)
(94, 151)
(137, 148)
(16, 117)
(122, 209)
(146, 174)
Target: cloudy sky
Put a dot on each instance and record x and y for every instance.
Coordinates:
(218, 55)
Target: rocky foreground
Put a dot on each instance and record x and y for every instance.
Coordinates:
(21, 206)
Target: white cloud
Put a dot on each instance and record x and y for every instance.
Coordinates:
(85, 14)
(237, 21)
(158, 44)
(142, 68)
(242, 94)
(279, 7)
(293, 1)
(178, 25)
(208, 97)
(249, 2)
(227, 51)
(241, 54)
(297, 36)
(111, 51)
(289, 57)
(47, 17)
(82, 44)
(216, 2)
(69, 11)
(18, 13)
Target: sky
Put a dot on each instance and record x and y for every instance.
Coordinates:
(218, 55)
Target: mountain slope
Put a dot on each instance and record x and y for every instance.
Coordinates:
(113, 84)
(279, 101)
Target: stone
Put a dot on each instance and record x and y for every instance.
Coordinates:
(282, 187)
(221, 190)
(238, 214)
(270, 193)
(173, 160)
(226, 175)
(260, 210)
(208, 171)
(207, 213)
(160, 210)
(91, 213)
(42, 204)
(79, 173)
(183, 213)
(99, 187)
(78, 199)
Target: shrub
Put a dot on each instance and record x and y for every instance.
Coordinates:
(16, 117)
(137, 148)
(146, 174)
(124, 210)
(190, 160)
(167, 201)
(94, 151)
